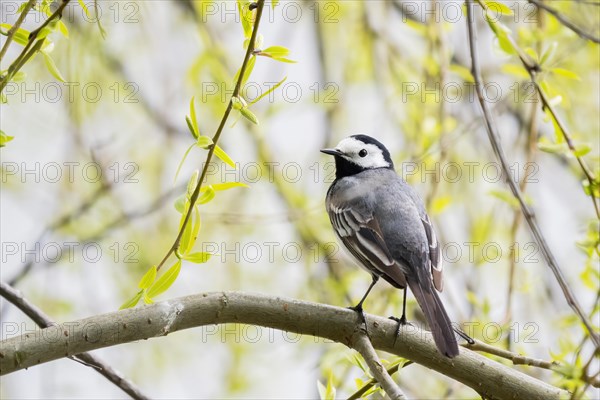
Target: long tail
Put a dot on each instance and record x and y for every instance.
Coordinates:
(439, 323)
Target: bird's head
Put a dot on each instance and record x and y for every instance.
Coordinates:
(358, 153)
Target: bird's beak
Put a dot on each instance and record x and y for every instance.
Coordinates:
(333, 152)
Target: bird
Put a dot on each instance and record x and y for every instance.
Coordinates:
(383, 223)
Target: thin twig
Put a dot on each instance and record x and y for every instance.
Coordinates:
(565, 21)
(391, 371)
(194, 197)
(43, 321)
(527, 211)
(33, 45)
(363, 345)
(13, 29)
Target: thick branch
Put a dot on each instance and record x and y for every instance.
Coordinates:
(487, 377)
(43, 321)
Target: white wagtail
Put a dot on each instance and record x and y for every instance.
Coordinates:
(383, 223)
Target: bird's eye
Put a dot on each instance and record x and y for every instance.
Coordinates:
(362, 153)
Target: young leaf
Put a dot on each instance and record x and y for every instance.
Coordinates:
(276, 51)
(566, 73)
(274, 3)
(147, 298)
(204, 142)
(249, 115)
(193, 118)
(207, 195)
(236, 103)
(191, 127)
(182, 161)
(497, 7)
(4, 138)
(180, 203)
(246, 16)
(186, 239)
(219, 152)
(148, 278)
(198, 258)
(268, 91)
(165, 281)
(225, 186)
(52, 67)
(133, 301)
(84, 7)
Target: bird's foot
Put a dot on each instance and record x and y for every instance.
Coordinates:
(401, 322)
(361, 316)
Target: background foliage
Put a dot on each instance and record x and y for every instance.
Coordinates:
(112, 99)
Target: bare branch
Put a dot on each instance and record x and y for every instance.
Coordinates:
(43, 321)
(489, 378)
(514, 187)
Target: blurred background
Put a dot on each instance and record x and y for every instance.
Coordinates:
(88, 183)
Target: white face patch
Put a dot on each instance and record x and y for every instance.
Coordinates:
(353, 152)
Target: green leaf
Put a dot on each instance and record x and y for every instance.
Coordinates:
(249, 115)
(147, 298)
(556, 148)
(268, 91)
(198, 258)
(582, 149)
(236, 103)
(566, 73)
(180, 203)
(274, 3)
(21, 35)
(204, 142)
(276, 51)
(4, 138)
(194, 122)
(247, 71)
(515, 70)
(165, 281)
(463, 72)
(182, 161)
(186, 242)
(52, 67)
(501, 32)
(207, 195)
(62, 28)
(498, 7)
(188, 121)
(148, 278)
(133, 301)
(218, 187)
(220, 153)
(84, 7)
(507, 197)
(246, 16)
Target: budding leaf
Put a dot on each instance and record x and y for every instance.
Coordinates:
(220, 153)
(204, 142)
(165, 281)
(194, 122)
(4, 138)
(148, 278)
(198, 258)
(133, 301)
(249, 115)
(52, 67)
(207, 195)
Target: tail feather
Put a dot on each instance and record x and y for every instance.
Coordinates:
(439, 322)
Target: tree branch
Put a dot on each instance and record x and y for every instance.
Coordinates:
(487, 377)
(501, 156)
(43, 321)
(363, 345)
(556, 14)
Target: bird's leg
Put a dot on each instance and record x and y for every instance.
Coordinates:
(359, 309)
(402, 320)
